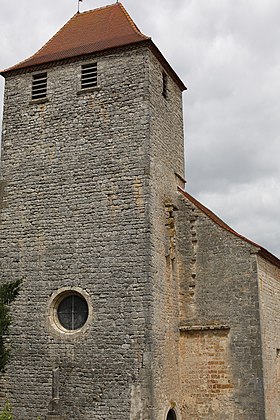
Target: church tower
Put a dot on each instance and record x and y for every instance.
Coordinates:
(136, 302)
(92, 158)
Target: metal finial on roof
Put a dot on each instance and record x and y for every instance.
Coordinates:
(79, 5)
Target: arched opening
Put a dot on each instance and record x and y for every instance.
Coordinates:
(171, 415)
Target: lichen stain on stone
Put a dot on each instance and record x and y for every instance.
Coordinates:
(41, 248)
(2, 194)
(42, 107)
(136, 408)
(105, 116)
(21, 215)
(41, 119)
(138, 193)
(113, 199)
(22, 252)
(94, 105)
(52, 153)
(91, 103)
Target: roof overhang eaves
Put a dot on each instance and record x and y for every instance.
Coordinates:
(26, 68)
(166, 65)
(47, 64)
(262, 252)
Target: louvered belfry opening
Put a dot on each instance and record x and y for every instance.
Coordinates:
(89, 76)
(39, 86)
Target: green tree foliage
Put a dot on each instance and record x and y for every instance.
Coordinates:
(8, 292)
(7, 413)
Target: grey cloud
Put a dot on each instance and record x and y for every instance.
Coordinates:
(258, 202)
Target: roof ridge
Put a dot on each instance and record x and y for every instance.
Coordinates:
(98, 8)
(127, 15)
(77, 15)
(132, 23)
(91, 32)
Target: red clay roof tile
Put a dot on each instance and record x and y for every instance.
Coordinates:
(91, 32)
(88, 32)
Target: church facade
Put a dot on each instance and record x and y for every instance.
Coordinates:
(136, 302)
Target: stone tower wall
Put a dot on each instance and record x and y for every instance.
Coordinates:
(220, 340)
(76, 214)
(167, 161)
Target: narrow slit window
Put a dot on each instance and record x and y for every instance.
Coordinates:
(89, 76)
(39, 86)
(164, 85)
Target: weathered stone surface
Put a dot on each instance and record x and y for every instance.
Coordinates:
(183, 314)
(86, 177)
(269, 290)
(218, 286)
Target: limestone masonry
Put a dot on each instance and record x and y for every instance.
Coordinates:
(136, 301)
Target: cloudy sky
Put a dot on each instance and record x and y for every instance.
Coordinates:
(228, 54)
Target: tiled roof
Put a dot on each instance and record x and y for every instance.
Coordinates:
(88, 32)
(91, 32)
(260, 250)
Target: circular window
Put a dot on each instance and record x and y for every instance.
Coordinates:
(70, 310)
